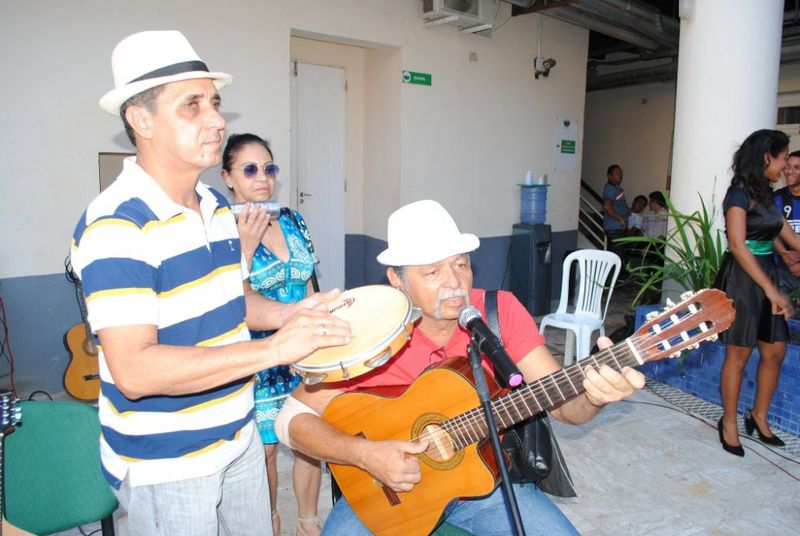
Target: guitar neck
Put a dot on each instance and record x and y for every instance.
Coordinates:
(544, 394)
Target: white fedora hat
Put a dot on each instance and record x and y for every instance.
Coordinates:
(148, 59)
(423, 232)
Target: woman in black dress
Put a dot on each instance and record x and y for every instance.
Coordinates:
(748, 276)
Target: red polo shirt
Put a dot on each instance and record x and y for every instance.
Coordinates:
(518, 329)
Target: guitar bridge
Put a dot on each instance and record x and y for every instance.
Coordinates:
(391, 495)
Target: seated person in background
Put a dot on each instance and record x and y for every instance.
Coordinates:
(788, 201)
(655, 223)
(428, 258)
(636, 217)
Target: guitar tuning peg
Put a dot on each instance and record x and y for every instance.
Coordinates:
(652, 315)
(686, 295)
(670, 304)
(714, 337)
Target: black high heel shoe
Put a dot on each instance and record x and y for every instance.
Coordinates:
(737, 450)
(750, 425)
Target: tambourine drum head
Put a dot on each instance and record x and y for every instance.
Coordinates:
(377, 315)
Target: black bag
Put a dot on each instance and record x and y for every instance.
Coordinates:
(531, 445)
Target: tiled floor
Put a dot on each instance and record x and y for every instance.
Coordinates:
(646, 466)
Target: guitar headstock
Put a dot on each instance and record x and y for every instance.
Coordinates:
(699, 316)
(10, 413)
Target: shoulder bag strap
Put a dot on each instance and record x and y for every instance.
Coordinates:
(309, 245)
(492, 319)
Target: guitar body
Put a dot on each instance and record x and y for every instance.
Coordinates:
(447, 475)
(81, 378)
(441, 406)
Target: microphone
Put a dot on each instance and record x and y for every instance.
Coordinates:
(272, 207)
(488, 343)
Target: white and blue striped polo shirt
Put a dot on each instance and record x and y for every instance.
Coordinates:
(144, 259)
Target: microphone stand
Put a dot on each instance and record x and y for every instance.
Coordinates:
(483, 394)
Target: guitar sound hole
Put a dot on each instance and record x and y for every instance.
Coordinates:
(440, 447)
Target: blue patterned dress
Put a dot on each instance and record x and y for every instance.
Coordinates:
(286, 282)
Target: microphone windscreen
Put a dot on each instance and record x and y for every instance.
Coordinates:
(467, 315)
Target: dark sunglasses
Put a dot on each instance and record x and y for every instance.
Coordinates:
(250, 170)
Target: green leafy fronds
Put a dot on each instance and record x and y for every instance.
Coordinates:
(690, 254)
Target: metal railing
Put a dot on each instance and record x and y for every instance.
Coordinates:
(590, 216)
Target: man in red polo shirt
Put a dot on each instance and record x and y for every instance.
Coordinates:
(428, 258)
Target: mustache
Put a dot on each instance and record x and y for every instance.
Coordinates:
(446, 294)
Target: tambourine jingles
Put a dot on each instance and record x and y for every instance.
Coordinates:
(381, 318)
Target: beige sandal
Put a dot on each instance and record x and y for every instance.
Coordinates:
(308, 521)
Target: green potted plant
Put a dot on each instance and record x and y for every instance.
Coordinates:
(690, 254)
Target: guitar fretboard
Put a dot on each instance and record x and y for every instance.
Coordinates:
(543, 394)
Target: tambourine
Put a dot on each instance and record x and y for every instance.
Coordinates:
(381, 318)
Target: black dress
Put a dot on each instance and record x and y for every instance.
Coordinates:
(754, 319)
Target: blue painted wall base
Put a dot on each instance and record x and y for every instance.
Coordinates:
(40, 309)
(698, 374)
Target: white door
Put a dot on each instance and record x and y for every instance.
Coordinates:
(318, 135)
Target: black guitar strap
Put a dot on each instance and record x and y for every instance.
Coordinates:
(531, 444)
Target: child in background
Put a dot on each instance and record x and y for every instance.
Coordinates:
(655, 223)
(636, 218)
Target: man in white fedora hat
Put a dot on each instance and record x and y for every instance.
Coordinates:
(428, 258)
(159, 257)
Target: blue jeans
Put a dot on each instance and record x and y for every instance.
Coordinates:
(233, 501)
(483, 517)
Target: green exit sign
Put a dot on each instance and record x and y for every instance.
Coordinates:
(420, 79)
(567, 146)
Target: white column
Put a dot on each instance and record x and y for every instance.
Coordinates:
(727, 87)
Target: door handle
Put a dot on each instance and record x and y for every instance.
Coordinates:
(302, 195)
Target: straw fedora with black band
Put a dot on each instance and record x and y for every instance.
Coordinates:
(423, 232)
(148, 59)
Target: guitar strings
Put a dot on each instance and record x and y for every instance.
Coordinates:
(473, 421)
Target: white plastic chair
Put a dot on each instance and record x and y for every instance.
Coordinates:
(595, 267)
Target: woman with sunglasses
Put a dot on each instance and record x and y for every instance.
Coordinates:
(281, 260)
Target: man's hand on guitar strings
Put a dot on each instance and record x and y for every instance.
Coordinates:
(393, 463)
(605, 385)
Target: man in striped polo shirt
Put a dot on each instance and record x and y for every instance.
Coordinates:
(159, 258)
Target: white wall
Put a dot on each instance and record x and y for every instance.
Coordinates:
(621, 129)
(466, 141)
(631, 127)
(482, 125)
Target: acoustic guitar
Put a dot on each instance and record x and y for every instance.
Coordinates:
(82, 375)
(442, 407)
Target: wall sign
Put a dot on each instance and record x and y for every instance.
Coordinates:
(566, 145)
(420, 79)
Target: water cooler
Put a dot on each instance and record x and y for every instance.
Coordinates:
(530, 266)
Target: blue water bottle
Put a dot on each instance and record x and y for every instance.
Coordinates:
(533, 200)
